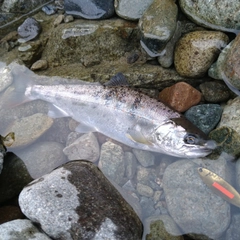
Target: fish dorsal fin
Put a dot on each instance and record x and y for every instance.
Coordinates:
(137, 137)
(117, 80)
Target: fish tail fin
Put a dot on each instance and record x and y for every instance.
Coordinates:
(15, 95)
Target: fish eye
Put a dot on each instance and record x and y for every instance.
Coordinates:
(200, 169)
(190, 139)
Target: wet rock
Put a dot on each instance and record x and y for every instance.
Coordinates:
(85, 147)
(81, 203)
(205, 116)
(227, 65)
(181, 96)
(9, 213)
(42, 157)
(49, 9)
(145, 158)
(29, 30)
(39, 65)
(219, 16)
(131, 10)
(29, 129)
(231, 115)
(184, 189)
(233, 231)
(237, 178)
(122, 37)
(21, 6)
(30, 52)
(157, 26)
(131, 164)
(161, 227)
(6, 78)
(58, 20)
(196, 51)
(147, 205)
(228, 141)
(166, 57)
(96, 9)
(215, 92)
(111, 162)
(21, 229)
(13, 178)
(144, 190)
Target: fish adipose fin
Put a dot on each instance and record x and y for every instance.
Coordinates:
(117, 80)
(83, 128)
(137, 137)
(56, 112)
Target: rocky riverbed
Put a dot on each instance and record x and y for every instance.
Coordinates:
(57, 183)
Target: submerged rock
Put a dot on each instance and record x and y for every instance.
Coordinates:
(94, 9)
(157, 26)
(82, 203)
(219, 15)
(191, 204)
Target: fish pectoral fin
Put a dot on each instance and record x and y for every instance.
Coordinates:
(83, 128)
(137, 137)
(117, 80)
(56, 112)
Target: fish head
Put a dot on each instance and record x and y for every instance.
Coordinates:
(179, 137)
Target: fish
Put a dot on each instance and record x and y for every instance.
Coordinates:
(219, 186)
(119, 112)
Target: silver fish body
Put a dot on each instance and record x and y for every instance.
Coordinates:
(120, 113)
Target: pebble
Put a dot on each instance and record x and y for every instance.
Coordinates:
(49, 9)
(131, 164)
(6, 78)
(219, 15)
(231, 115)
(190, 203)
(77, 200)
(144, 190)
(145, 158)
(112, 163)
(95, 9)
(148, 207)
(215, 91)
(39, 65)
(42, 157)
(29, 129)
(21, 229)
(58, 20)
(68, 18)
(196, 51)
(29, 30)
(161, 227)
(13, 178)
(180, 96)
(131, 10)
(157, 26)
(9, 213)
(85, 147)
(205, 116)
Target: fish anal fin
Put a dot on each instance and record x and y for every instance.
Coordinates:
(56, 112)
(137, 137)
(84, 128)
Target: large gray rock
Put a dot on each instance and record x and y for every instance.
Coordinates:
(21, 229)
(191, 204)
(77, 200)
(219, 15)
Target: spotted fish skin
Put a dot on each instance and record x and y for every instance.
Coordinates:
(120, 113)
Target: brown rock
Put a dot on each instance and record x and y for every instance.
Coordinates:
(40, 64)
(181, 96)
(196, 51)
